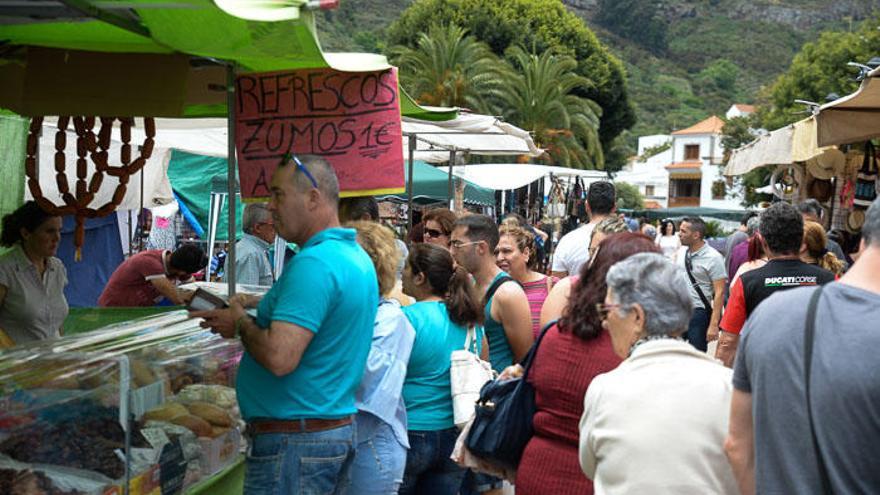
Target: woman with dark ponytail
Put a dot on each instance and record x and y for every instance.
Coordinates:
(32, 279)
(446, 308)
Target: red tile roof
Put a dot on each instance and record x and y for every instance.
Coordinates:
(712, 125)
(745, 108)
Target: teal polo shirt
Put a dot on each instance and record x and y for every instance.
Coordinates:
(427, 392)
(330, 289)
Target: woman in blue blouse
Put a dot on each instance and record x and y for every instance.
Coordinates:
(446, 308)
(381, 420)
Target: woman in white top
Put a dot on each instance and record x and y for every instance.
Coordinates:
(32, 279)
(657, 423)
(668, 240)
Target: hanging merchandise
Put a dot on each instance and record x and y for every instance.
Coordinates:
(786, 181)
(866, 179)
(556, 199)
(95, 148)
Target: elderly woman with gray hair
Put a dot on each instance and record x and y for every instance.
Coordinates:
(656, 424)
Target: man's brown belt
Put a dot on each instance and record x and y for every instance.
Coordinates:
(259, 426)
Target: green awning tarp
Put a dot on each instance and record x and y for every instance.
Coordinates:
(162, 62)
(191, 178)
(432, 185)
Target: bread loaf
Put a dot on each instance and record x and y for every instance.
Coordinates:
(217, 431)
(210, 413)
(195, 424)
(166, 412)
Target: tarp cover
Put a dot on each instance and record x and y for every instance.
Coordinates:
(472, 133)
(677, 213)
(506, 176)
(853, 118)
(103, 253)
(431, 185)
(770, 149)
(191, 176)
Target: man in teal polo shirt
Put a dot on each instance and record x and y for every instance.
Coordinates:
(306, 350)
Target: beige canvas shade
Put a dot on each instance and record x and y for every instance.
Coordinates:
(853, 118)
(790, 144)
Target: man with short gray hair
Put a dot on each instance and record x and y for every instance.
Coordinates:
(252, 265)
(805, 387)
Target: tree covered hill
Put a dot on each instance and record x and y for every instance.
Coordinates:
(686, 59)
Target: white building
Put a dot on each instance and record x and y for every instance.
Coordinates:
(649, 174)
(695, 177)
(739, 110)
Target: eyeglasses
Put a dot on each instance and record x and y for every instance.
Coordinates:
(300, 167)
(458, 244)
(433, 233)
(603, 309)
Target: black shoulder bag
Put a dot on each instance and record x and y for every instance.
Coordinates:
(809, 332)
(688, 266)
(503, 415)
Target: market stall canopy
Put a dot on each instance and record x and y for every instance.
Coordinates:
(853, 118)
(790, 144)
(677, 213)
(152, 57)
(506, 176)
(469, 133)
(430, 185)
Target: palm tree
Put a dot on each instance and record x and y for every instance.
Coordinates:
(450, 68)
(541, 99)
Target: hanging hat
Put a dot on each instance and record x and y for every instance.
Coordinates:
(855, 220)
(819, 189)
(826, 165)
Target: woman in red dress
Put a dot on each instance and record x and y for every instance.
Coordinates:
(573, 352)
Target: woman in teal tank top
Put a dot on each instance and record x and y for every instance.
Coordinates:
(446, 308)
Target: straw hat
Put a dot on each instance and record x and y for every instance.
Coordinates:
(829, 163)
(855, 220)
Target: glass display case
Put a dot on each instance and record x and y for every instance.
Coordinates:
(141, 407)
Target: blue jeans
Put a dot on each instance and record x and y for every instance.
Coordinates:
(429, 470)
(301, 463)
(699, 324)
(379, 461)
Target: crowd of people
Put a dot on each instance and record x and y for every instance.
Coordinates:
(345, 383)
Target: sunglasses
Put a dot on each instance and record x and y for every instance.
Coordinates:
(433, 233)
(603, 309)
(458, 244)
(300, 167)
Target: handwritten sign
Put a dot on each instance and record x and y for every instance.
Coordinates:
(350, 119)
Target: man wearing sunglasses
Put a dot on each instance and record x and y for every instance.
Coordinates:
(252, 266)
(306, 350)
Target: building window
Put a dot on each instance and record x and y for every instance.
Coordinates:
(649, 190)
(692, 152)
(719, 189)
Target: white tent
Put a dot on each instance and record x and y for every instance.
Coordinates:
(793, 143)
(468, 133)
(853, 118)
(506, 176)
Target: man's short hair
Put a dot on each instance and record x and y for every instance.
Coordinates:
(697, 225)
(480, 228)
(871, 227)
(600, 197)
(254, 213)
(810, 207)
(188, 258)
(355, 208)
(323, 174)
(748, 216)
(782, 228)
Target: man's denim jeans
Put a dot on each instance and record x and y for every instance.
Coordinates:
(429, 470)
(697, 328)
(302, 463)
(379, 462)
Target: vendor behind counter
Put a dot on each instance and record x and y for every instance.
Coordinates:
(32, 279)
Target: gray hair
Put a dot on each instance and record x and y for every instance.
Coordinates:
(752, 225)
(871, 227)
(657, 285)
(323, 173)
(254, 213)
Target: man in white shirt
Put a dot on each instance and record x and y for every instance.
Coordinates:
(574, 248)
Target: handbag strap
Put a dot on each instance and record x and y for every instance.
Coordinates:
(688, 266)
(809, 332)
(471, 339)
(530, 356)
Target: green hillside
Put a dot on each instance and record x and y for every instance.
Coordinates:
(686, 59)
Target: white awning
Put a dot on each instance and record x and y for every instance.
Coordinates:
(506, 176)
(471, 133)
(853, 118)
(769, 149)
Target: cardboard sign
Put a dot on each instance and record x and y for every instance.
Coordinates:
(350, 119)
